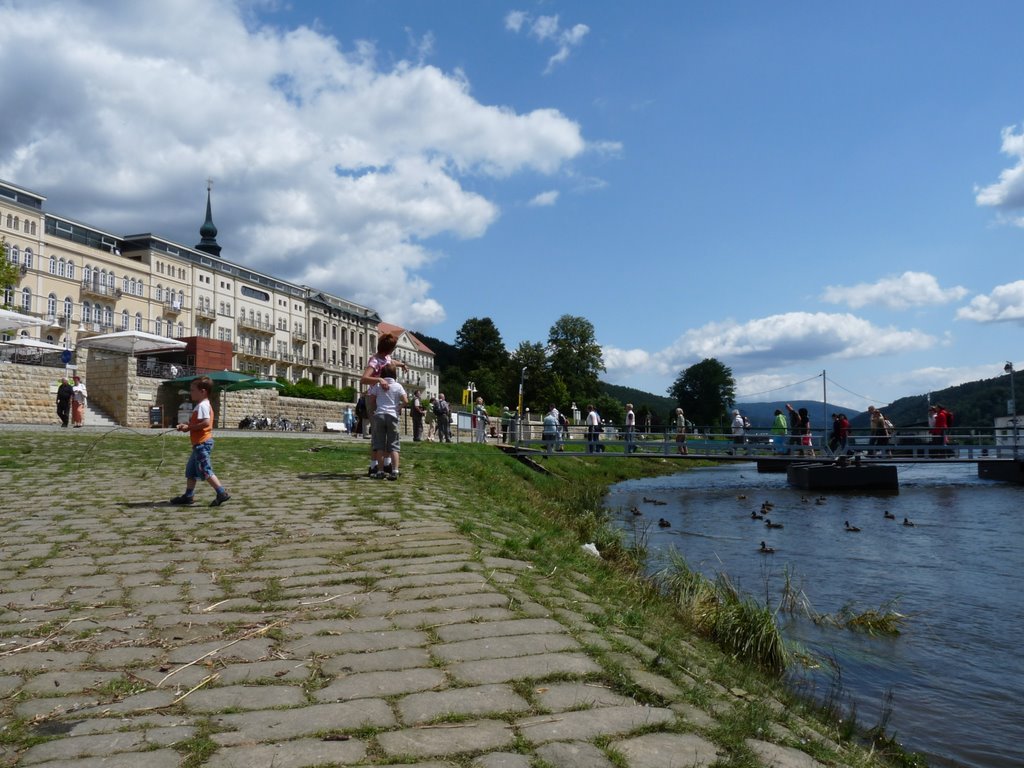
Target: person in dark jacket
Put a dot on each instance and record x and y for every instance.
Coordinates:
(64, 392)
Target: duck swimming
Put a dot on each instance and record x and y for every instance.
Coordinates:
(889, 515)
(766, 549)
(755, 516)
(654, 501)
(663, 523)
(852, 528)
(907, 523)
(635, 511)
(770, 524)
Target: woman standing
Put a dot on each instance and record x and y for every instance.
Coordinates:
(79, 394)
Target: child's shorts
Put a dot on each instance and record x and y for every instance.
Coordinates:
(199, 466)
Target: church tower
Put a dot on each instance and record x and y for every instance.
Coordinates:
(208, 231)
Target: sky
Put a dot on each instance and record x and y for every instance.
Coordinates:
(791, 188)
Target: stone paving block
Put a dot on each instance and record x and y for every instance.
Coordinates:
(574, 754)
(668, 750)
(435, 578)
(477, 630)
(300, 753)
(140, 702)
(778, 756)
(105, 744)
(560, 697)
(439, 741)
(9, 684)
(588, 724)
(285, 670)
(130, 656)
(524, 667)
(253, 649)
(32, 598)
(502, 760)
(337, 626)
(479, 701)
(504, 647)
(442, 590)
(94, 725)
(70, 681)
(30, 661)
(282, 724)
(244, 697)
(476, 600)
(372, 684)
(155, 594)
(376, 661)
(161, 758)
(656, 684)
(358, 641)
(694, 715)
(434, 619)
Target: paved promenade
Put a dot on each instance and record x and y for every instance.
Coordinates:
(319, 620)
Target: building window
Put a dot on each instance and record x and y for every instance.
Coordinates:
(86, 312)
(159, 292)
(69, 308)
(138, 321)
(159, 327)
(13, 254)
(53, 265)
(62, 268)
(124, 319)
(51, 305)
(71, 269)
(126, 285)
(108, 317)
(26, 300)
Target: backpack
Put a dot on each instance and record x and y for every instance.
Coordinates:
(949, 419)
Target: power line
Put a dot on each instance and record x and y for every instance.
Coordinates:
(777, 389)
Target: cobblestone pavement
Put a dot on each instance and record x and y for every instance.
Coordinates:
(333, 621)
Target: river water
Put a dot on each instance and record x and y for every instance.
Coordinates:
(956, 671)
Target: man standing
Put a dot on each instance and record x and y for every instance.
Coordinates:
(417, 417)
(64, 392)
(444, 419)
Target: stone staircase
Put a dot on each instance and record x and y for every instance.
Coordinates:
(94, 417)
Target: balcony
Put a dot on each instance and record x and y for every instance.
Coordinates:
(299, 335)
(205, 313)
(172, 308)
(92, 328)
(90, 288)
(254, 353)
(255, 325)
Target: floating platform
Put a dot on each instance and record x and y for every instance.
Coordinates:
(1009, 471)
(837, 477)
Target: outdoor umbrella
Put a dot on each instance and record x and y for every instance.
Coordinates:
(25, 341)
(15, 321)
(132, 342)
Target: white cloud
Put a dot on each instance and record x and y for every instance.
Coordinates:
(1004, 305)
(324, 162)
(771, 343)
(1008, 192)
(545, 198)
(547, 29)
(934, 377)
(911, 289)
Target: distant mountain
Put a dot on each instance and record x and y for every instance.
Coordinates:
(974, 404)
(660, 407)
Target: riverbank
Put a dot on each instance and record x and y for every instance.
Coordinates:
(320, 617)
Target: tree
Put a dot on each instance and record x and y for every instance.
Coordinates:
(705, 391)
(10, 274)
(483, 357)
(540, 386)
(576, 357)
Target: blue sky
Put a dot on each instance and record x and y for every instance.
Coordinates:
(788, 187)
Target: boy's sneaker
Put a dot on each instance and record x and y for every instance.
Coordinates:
(222, 498)
(392, 476)
(371, 472)
(182, 500)
(378, 475)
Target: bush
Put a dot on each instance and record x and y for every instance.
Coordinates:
(307, 389)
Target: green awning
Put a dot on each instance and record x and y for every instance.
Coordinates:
(222, 379)
(239, 386)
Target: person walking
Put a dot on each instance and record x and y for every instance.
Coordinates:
(64, 394)
(778, 430)
(593, 430)
(430, 417)
(200, 432)
(551, 430)
(630, 429)
(681, 432)
(386, 344)
(738, 430)
(79, 397)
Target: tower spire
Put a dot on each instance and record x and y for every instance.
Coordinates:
(208, 232)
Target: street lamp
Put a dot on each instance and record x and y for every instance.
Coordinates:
(522, 376)
(1008, 368)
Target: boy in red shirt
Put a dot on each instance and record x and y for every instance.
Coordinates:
(200, 430)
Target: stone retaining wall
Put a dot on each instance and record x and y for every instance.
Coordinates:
(28, 393)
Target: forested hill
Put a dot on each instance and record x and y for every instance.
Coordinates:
(974, 404)
(659, 407)
(761, 415)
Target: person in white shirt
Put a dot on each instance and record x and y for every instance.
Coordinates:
(593, 430)
(389, 397)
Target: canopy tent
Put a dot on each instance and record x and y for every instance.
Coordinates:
(132, 342)
(221, 379)
(239, 386)
(15, 321)
(43, 346)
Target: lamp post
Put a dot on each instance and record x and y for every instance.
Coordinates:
(522, 376)
(1008, 368)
